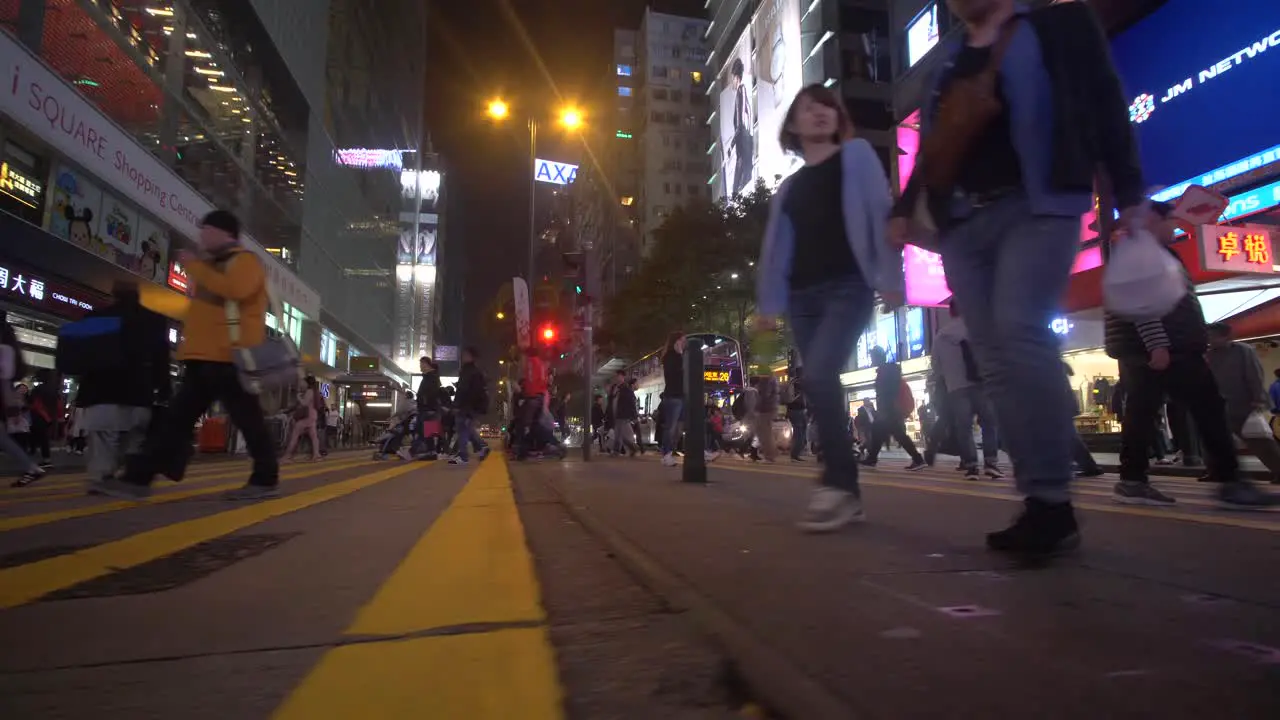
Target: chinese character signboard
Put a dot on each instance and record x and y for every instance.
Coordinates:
(18, 285)
(1237, 249)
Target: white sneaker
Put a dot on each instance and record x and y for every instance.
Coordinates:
(831, 509)
(403, 454)
(712, 456)
(669, 460)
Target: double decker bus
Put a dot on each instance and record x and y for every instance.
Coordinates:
(721, 376)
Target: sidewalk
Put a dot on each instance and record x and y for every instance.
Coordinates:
(1250, 465)
(908, 616)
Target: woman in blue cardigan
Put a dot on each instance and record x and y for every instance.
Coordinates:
(825, 256)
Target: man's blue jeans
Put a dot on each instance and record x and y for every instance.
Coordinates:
(1009, 270)
(826, 321)
(467, 434)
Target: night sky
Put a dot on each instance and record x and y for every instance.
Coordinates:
(533, 52)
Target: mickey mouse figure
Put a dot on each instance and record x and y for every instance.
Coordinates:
(78, 230)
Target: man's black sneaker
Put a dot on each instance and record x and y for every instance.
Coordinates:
(1246, 496)
(28, 478)
(1042, 530)
(972, 474)
(993, 471)
(917, 465)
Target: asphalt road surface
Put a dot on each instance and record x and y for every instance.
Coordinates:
(611, 590)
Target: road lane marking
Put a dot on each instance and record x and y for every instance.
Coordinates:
(471, 567)
(25, 521)
(199, 470)
(26, 583)
(33, 494)
(1161, 513)
(499, 675)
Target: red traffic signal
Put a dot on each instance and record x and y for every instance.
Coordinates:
(548, 334)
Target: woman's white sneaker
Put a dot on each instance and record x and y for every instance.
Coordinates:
(831, 509)
(669, 460)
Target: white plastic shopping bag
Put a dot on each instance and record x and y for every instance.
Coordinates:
(1142, 280)
(1257, 427)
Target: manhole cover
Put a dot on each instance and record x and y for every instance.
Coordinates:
(174, 571)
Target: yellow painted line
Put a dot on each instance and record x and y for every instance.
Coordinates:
(471, 566)
(32, 494)
(199, 470)
(26, 521)
(502, 675)
(1157, 513)
(26, 583)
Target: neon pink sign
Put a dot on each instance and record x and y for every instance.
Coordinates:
(926, 280)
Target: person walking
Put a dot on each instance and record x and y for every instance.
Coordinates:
(797, 415)
(223, 271)
(13, 367)
(625, 412)
(895, 404)
(965, 398)
(305, 420)
(763, 415)
(1004, 184)
(472, 401)
(1242, 382)
(672, 397)
(824, 256)
(118, 402)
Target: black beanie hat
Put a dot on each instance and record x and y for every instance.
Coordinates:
(224, 221)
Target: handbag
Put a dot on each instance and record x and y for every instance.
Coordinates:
(271, 364)
(966, 108)
(1256, 427)
(1142, 280)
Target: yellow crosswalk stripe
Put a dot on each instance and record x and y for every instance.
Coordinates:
(26, 583)
(473, 569)
(26, 521)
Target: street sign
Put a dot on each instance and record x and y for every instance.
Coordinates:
(1239, 250)
(550, 171)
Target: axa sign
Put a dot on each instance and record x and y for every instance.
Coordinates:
(549, 171)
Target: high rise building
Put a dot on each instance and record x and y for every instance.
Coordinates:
(297, 115)
(670, 106)
(764, 51)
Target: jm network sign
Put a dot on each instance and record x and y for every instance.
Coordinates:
(550, 171)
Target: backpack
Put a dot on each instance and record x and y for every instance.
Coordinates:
(91, 345)
(906, 400)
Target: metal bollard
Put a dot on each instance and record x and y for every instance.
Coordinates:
(694, 469)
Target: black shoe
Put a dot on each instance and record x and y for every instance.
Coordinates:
(1041, 531)
(28, 478)
(1090, 473)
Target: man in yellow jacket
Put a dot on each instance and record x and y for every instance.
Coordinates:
(223, 271)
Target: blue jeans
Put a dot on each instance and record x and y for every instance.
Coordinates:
(1009, 270)
(826, 320)
(672, 408)
(467, 434)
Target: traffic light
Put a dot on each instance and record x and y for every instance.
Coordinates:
(577, 289)
(548, 334)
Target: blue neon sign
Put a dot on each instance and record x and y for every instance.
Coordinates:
(1267, 157)
(1201, 84)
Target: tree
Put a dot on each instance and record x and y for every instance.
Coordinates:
(699, 275)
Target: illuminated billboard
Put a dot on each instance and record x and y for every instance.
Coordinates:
(922, 34)
(757, 83)
(550, 171)
(1198, 86)
(779, 77)
(369, 159)
(736, 113)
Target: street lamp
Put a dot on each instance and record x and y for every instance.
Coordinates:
(501, 315)
(570, 118)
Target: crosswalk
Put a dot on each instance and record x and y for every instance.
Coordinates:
(455, 629)
(1195, 501)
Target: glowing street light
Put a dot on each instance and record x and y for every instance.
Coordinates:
(501, 315)
(571, 118)
(498, 109)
